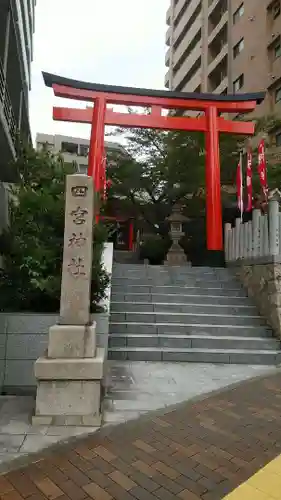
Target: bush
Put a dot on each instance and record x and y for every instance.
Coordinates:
(32, 246)
(154, 248)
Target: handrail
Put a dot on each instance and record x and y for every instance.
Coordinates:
(5, 100)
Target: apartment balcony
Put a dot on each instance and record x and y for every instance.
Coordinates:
(167, 58)
(187, 65)
(167, 79)
(179, 7)
(22, 48)
(192, 33)
(275, 74)
(193, 84)
(215, 32)
(222, 86)
(273, 36)
(168, 36)
(169, 16)
(193, 5)
(8, 131)
(276, 69)
(212, 5)
(14, 81)
(219, 58)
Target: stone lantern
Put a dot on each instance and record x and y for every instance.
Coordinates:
(176, 255)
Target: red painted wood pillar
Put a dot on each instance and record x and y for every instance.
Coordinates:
(103, 176)
(97, 142)
(213, 183)
(131, 236)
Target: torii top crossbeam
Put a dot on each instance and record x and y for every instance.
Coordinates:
(211, 123)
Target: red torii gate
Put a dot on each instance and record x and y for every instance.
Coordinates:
(211, 123)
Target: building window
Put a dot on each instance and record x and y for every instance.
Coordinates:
(276, 9)
(238, 13)
(278, 95)
(238, 48)
(277, 50)
(278, 140)
(69, 147)
(84, 150)
(44, 146)
(238, 84)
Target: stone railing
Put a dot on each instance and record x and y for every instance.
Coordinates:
(258, 239)
(254, 250)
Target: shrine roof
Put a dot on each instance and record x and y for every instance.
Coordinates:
(51, 79)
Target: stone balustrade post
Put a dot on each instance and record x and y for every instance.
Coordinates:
(227, 234)
(237, 238)
(274, 238)
(250, 240)
(256, 226)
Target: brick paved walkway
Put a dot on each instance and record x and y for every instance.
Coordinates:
(199, 450)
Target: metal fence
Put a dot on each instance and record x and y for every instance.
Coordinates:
(261, 237)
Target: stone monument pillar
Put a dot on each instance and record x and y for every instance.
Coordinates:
(69, 377)
(176, 255)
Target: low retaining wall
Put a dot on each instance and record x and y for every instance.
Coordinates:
(262, 279)
(24, 338)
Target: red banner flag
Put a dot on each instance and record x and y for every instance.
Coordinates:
(262, 168)
(239, 183)
(249, 180)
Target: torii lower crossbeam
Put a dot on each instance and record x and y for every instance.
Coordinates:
(211, 123)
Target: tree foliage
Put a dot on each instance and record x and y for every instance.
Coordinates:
(162, 168)
(32, 245)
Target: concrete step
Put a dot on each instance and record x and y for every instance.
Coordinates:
(189, 318)
(199, 308)
(176, 281)
(150, 273)
(202, 330)
(216, 289)
(233, 356)
(166, 269)
(194, 342)
(183, 298)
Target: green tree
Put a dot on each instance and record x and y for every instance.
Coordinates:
(32, 245)
(162, 168)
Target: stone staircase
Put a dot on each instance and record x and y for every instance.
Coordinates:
(199, 315)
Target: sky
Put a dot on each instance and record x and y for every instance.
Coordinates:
(117, 42)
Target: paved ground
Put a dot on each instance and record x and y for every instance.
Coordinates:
(264, 485)
(134, 388)
(197, 450)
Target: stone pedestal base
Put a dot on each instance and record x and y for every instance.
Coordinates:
(69, 391)
(72, 341)
(176, 257)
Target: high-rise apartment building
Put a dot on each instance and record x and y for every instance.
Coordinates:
(16, 51)
(226, 46)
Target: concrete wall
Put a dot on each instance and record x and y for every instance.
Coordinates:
(24, 337)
